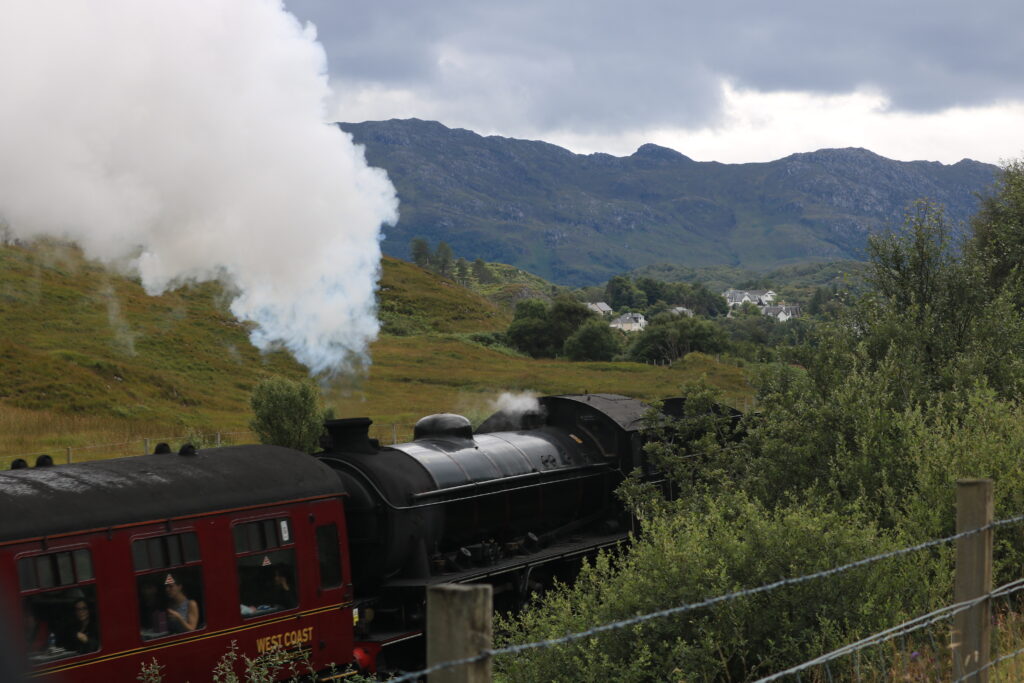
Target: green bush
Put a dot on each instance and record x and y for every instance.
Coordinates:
(594, 340)
(287, 413)
(710, 548)
(669, 337)
(540, 330)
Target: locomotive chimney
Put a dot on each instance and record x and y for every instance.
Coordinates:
(351, 434)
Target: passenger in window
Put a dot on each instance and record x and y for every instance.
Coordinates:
(37, 632)
(44, 460)
(19, 464)
(83, 635)
(284, 591)
(182, 613)
(154, 615)
(162, 448)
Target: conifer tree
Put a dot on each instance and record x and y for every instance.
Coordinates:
(444, 260)
(421, 253)
(462, 271)
(482, 273)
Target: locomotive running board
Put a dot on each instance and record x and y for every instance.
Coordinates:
(553, 553)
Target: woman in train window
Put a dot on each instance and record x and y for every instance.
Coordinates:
(84, 633)
(182, 613)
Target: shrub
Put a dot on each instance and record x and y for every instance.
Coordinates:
(287, 413)
(594, 340)
(712, 548)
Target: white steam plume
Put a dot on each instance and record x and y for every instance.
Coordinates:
(187, 140)
(516, 404)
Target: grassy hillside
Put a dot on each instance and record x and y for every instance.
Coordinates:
(88, 357)
(512, 285)
(87, 354)
(414, 301)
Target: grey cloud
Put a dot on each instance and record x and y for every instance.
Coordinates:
(597, 66)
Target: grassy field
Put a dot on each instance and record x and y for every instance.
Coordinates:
(86, 357)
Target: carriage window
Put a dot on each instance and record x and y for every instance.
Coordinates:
(59, 605)
(170, 584)
(266, 567)
(83, 565)
(55, 569)
(329, 555)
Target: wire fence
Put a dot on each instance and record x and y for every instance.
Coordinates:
(900, 631)
(926, 665)
(143, 445)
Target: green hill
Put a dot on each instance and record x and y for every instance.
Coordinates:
(89, 358)
(414, 301)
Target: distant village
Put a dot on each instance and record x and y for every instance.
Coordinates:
(763, 299)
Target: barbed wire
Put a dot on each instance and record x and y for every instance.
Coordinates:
(915, 624)
(989, 665)
(709, 602)
(104, 445)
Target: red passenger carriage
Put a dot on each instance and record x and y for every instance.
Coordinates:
(245, 544)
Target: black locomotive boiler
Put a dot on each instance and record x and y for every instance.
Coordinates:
(513, 504)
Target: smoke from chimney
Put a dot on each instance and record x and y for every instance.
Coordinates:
(186, 141)
(516, 403)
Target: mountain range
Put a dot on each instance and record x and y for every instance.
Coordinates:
(578, 219)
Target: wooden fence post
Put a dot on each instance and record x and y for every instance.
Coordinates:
(972, 628)
(145, 446)
(69, 455)
(459, 626)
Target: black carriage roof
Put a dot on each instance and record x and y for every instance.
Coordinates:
(625, 411)
(64, 498)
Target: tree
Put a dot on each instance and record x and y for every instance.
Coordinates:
(444, 260)
(462, 271)
(565, 315)
(998, 227)
(593, 340)
(529, 330)
(746, 309)
(927, 306)
(622, 293)
(530, 335)
(421, 253)
(541, 330)
(287, 413)
(482, 273)
(818, 300)
(669, 337)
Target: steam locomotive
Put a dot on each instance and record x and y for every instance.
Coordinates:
(110, 565)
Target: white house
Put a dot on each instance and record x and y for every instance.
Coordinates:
(758, 297)
(781, 313)
(601, 308)
(682, 310)
(630, 322)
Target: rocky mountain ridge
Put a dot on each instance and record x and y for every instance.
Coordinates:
(578, 219)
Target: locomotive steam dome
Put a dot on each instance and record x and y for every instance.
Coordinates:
(443, 424)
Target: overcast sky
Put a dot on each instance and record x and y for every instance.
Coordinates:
(732, 81)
